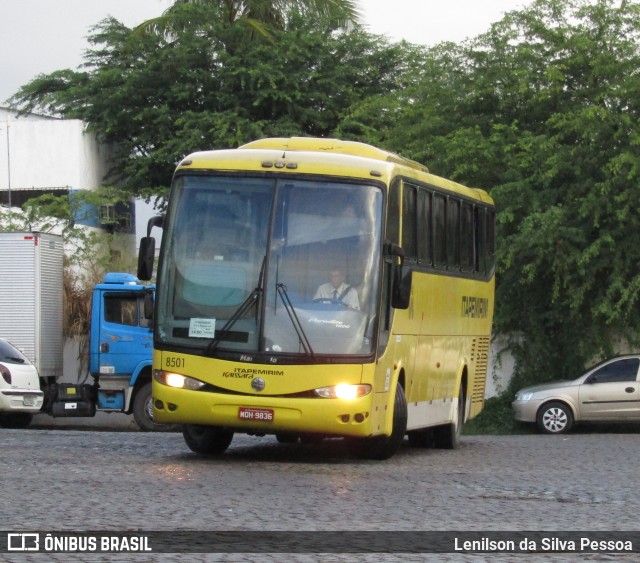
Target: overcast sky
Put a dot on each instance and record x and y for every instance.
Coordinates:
(40, 36)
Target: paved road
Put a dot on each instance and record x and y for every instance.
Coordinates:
(84, 480)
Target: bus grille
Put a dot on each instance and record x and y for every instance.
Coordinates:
(479, 362)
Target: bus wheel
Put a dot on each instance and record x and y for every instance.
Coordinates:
(206, 440)
(143, 410)
(383, 447)
(447, 436)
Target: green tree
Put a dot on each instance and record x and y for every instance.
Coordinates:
(543, 111)
(260, 15)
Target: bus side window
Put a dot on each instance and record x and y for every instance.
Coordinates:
(453, 233)
(439, 232)
(466, 238)
(425, 237)
(477, 214)
(393, 213)
(409, 243)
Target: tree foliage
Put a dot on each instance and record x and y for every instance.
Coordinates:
(260, 15)
(543, 111)
(569, 113)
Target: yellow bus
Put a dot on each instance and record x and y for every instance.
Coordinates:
(315, 288)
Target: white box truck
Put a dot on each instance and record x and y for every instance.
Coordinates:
(31, 299)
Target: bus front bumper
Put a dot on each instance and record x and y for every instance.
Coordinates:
(264, 414)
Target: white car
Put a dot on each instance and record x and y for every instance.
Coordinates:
(20, 394)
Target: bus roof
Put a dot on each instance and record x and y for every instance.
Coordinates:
(320, 155)
(337, 146)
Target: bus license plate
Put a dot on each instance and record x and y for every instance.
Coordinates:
(263, 415)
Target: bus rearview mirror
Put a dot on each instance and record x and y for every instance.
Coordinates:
(147, 250)
(401, 292)
(146, 256)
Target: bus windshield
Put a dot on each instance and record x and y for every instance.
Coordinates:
(270, 265)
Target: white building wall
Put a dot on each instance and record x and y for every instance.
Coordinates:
(38, 152)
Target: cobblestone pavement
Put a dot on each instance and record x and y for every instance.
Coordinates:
(82, 480)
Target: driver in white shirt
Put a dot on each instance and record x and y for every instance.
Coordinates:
(338, 290)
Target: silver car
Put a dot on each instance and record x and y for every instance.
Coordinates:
(607, 392)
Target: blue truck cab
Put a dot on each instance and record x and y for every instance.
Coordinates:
(120, 351)
(121, 346)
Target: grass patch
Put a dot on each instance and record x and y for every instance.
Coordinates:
(497, 418)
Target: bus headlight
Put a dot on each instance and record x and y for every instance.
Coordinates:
(343, 391)
(177, 380)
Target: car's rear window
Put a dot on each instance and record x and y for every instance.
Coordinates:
(11, 355)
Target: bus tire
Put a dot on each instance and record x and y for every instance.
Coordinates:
(447, 436)
(383, 447)
(206, 440)
(143, 410)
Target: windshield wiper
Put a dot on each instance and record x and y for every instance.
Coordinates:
(302, 337)
(251, 301)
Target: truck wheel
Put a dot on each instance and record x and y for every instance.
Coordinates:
(206, 440)
(16, 420)
(143, 410)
